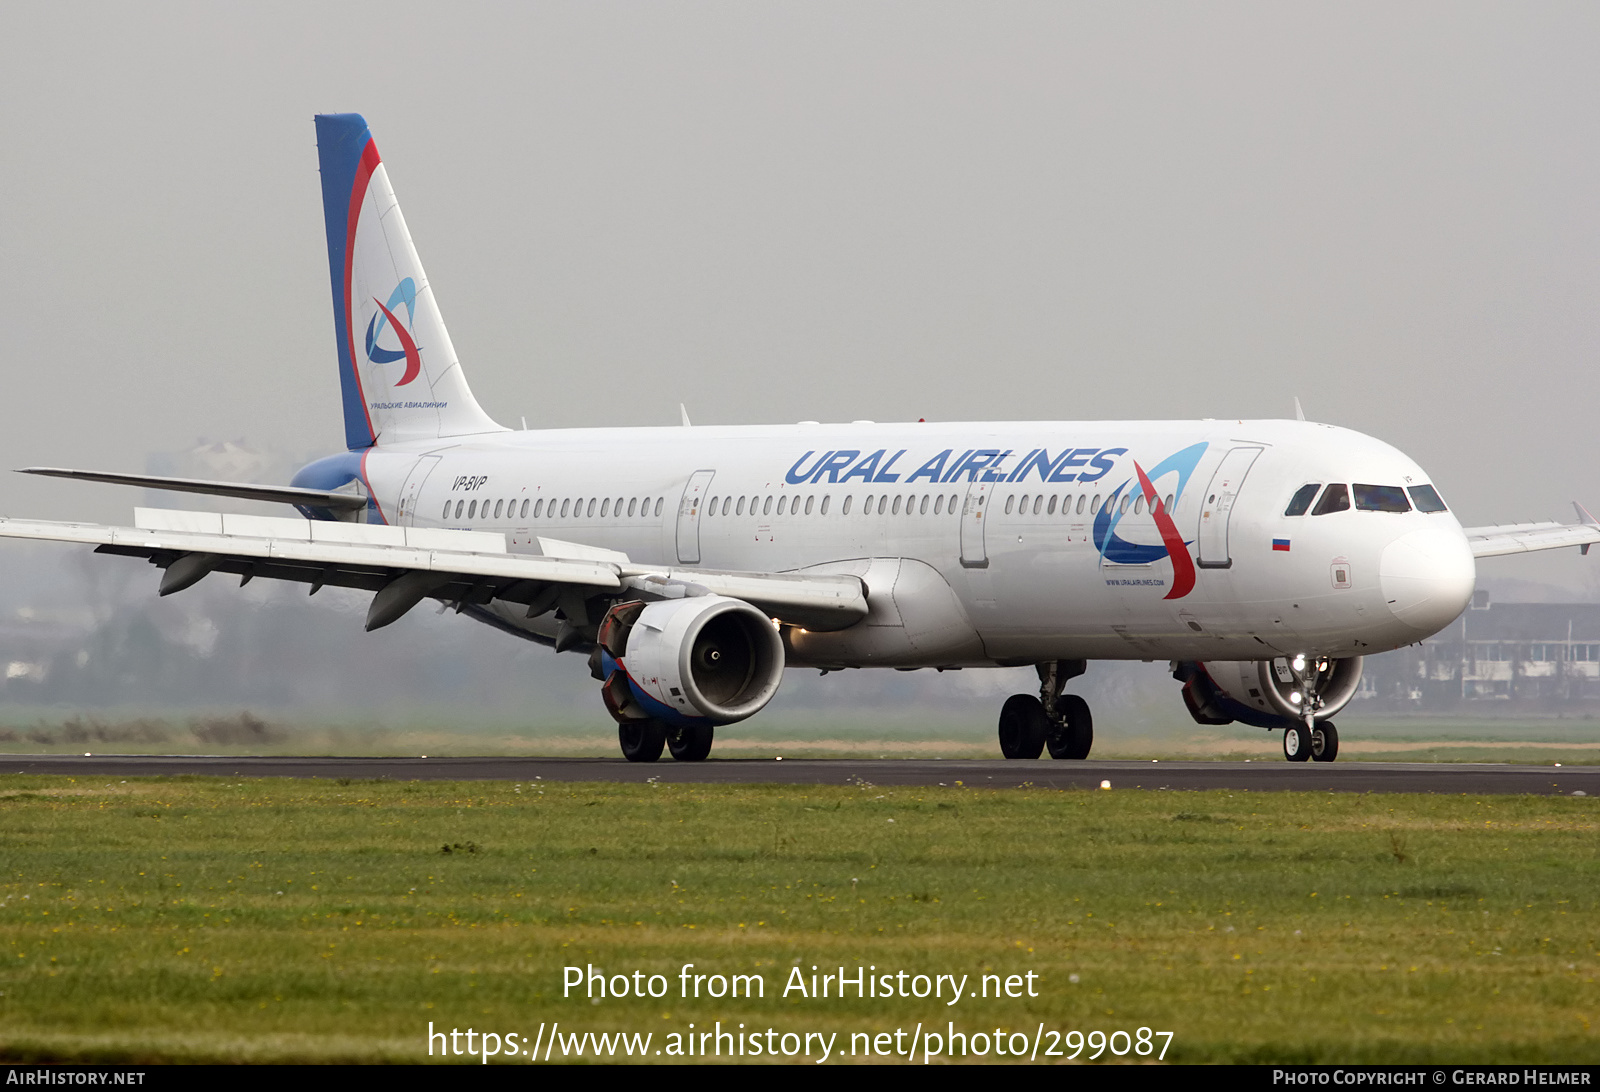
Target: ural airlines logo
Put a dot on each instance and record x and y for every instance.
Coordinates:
(1118, 550)
(405, 292)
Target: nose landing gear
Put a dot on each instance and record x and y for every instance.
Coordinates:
(1310, 741)
(1060, 721)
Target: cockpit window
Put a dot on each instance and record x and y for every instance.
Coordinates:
(1336, 498)
(1427, 499)
(1302, 499)
(1381, 498)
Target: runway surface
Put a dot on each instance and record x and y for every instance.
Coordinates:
(1266, 776)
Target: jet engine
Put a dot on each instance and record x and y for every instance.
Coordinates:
(695, 661)
(1267, 693)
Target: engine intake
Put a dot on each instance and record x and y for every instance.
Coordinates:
(1265, 693)
(706, 659)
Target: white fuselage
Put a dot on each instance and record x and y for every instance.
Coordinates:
(979, 542)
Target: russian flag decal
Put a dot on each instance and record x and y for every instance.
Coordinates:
(1281, 544)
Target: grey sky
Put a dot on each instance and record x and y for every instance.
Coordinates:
(833, 211)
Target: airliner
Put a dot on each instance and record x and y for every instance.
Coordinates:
(691, 565)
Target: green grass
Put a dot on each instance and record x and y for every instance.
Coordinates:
(202, 919)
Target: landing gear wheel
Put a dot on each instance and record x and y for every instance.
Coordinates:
(642, 740)
(1023, 727)
(1074, 734)
(1296, 743)
(1325, 742)
(690, 744)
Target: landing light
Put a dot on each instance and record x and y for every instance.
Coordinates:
(1294, 697)
(1299, 663)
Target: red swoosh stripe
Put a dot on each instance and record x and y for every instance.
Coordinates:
(1182, 563)
(358, 192)
(413, 358)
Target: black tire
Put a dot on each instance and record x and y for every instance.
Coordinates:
(1075, 735)
(690, 744)
(1324, 742)
(1023, 727)
(1296, 743)
(642, 740)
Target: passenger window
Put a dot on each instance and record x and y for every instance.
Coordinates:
(498, 505)
(1123, 508)
(472, 510)
(1336, 498)
(1081, 501)
(658, 506)
(446, 510)
(1095, 505)
(1138, 505)
(590, 513)
(564, 506)
(766, 507)
(1380, 498)
(845, 511)
(711, 509)
(896, 509)
(525, 503)
(1024, 503)
(1427, 499)
(951, 506)
(866, 509)
(809, 502)
(938, 505)
(883, 503)
(616, 509)
(1167, 507)
(925, 500)
(1052, 509)
(825, 504)
(1301, 501)
(633, 505)
(739, 510)
(605, 507)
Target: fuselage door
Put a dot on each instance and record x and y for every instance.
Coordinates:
(1217, 506)
(974, 555)
(694, 499)
(412, 489)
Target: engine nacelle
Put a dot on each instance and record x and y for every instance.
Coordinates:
(705, 659)
(1264, 693)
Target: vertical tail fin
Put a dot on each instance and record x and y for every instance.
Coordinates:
(398, 372)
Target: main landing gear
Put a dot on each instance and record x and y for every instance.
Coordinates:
(644, 740)
(1059, 721)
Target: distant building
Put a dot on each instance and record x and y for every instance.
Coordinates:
(1531, 654)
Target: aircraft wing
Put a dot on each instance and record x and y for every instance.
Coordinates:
(404, 565)
(1522, 538)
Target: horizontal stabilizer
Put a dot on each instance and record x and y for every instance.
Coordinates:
(286, 494)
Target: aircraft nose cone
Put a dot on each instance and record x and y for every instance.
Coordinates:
(1427, 578)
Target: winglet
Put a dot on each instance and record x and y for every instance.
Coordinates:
(683, 412)
(1588, 521)
(1299, 414)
